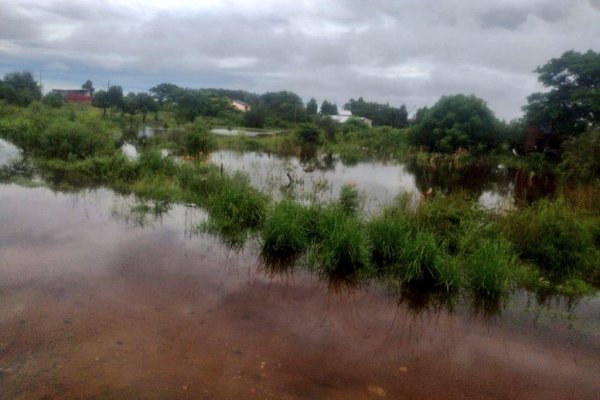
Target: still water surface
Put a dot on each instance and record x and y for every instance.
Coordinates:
(97, 301)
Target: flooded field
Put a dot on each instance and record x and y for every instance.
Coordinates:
(380, 182)
(98, 301)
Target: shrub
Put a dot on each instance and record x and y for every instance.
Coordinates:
(554, 237)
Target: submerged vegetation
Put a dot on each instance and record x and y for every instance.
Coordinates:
(446, 243)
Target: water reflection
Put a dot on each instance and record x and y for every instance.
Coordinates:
(89, 294)
(320, 176)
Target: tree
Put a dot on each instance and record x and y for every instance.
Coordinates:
(312, 107)
(164, 93)
(115, 98)
(380, 114)
(198, 140)
(308, 134)
(145, 104)
(573, 102)
(20, 88)
(89, 86)
(191, 103)
(328, 108)
(285, 106)
(101, 100)
(454, 122)
(255, 118)
(54, 100)
(129, 105)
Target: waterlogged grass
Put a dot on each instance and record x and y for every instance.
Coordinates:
(556, 239)
(447, 244)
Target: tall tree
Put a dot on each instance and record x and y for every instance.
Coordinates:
(380, 114)
(101, 100)
(312, 107)
(328, 108)
(573, 102)
(115, 98)
(145, 104)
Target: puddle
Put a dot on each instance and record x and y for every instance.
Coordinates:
(95, 304)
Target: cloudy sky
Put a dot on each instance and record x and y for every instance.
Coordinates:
(402, 52)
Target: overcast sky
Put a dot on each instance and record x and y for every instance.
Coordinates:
(402, 52)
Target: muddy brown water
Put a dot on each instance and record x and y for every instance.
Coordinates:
(97, 304)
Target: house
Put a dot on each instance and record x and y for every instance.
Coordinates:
(240, 105)
(345, 115)
(75, 95)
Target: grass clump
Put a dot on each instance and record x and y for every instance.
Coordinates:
(345, 248)
(491, 266)
(285, 233)
(233, 205)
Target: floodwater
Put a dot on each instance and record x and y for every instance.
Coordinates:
(380, 182)
(244, 132)
(8, 152)
(100, 302)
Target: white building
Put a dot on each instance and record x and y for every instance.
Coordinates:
(345, 115)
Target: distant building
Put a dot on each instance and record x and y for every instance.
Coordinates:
(75, 95)
(240, 105)
(345, 115)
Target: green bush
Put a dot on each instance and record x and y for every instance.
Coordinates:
(554, 237)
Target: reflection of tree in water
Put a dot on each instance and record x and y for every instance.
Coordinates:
(310, 159)
(531, 186)
(475, 179)
(447, 178)
(142, 214)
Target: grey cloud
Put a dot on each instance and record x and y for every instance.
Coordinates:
(410, 51)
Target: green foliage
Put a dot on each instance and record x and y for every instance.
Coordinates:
(491, 265)
(62, 138)
(199, 139)
(312, 107)
(581, 157)
(285, 233)
(455, 122)
(344, 249)
(328, 108)
(380, 114)
(255, 118)
(349, 200)
(101, 100)
(388, 237)
(308, 134)
(54, 100)
(19, 88)
(554, 237)
(283, 107)
(165, 93)
(573, 102)
(235, 206)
